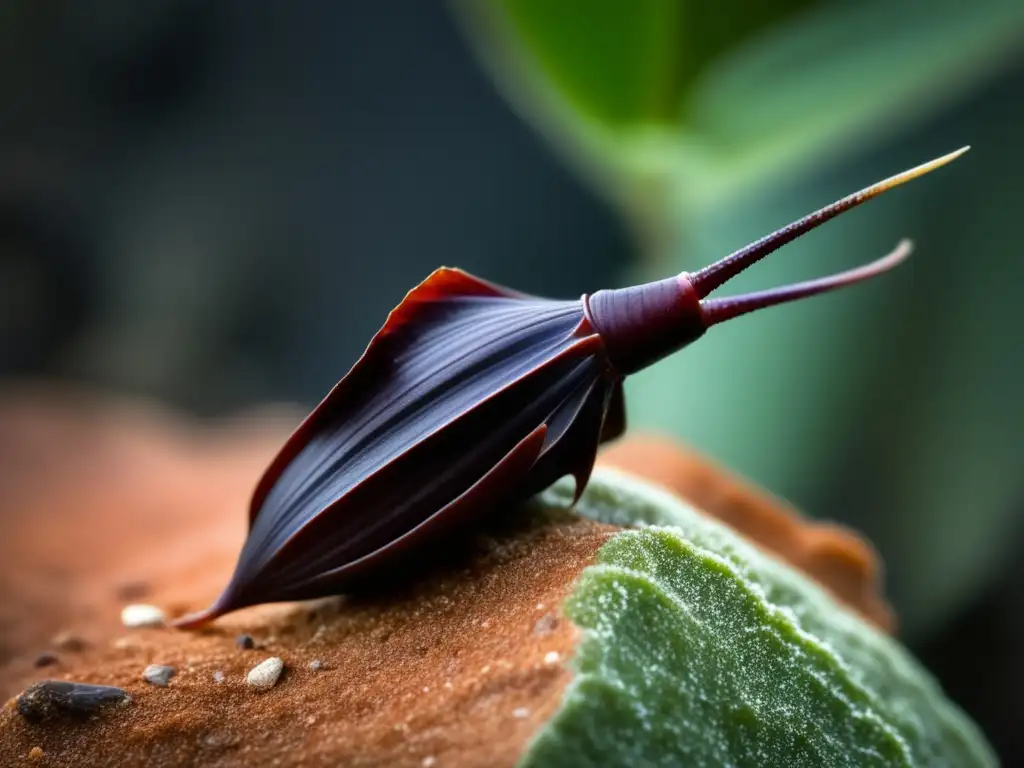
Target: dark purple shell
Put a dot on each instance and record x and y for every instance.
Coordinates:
(470, 392)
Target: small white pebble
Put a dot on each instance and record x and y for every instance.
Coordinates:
(426, 689)
(429, 761)
(316, 665)
(264, 675)
(545, 625)
(158, 674)
(520, 712)
(218, 676)
(551, 657)
(140, 615)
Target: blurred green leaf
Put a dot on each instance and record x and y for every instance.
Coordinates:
(841, 70)
(634, 79)
(698, 649)
(694, 100)
(627, 65)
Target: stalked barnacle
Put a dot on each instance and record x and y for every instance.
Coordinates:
(474, 396)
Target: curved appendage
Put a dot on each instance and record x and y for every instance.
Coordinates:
(719, 310)
(715, 275)
(641, 324)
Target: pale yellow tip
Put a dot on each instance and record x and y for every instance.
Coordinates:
(940, 161)
(913, 173)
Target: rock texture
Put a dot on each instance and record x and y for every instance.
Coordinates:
(105, 504)
(832, 555)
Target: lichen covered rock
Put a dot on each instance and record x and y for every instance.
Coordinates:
(832, 555)
(699, 648)
(562, 642)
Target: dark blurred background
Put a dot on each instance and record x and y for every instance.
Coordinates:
(216, 204)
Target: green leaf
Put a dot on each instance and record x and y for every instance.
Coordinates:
(700, 650)
(632, 80)
(628, 65)
(685, 100)
(837, 72)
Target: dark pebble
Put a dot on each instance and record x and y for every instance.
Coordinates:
(245, 642)
(45, 659)
(54, 698)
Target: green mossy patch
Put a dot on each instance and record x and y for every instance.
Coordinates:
(699, 649)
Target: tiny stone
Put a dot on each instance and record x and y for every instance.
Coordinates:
(245, 642)
(66, 641)
(36, 753)
(45, 659)
(316, 665)
(218, 676)
(218, 740)
(545, 624)
(158, 674)
(264, 675)
(429, 761)
(142, 615)
(52, 698)
(520, 712)
(551, 657)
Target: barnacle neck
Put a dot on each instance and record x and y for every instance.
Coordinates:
(644, 323)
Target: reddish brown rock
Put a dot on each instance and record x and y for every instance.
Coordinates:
(104, 495)
(459, 668)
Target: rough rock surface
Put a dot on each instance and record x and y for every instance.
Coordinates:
(106, 505)
(832, 555)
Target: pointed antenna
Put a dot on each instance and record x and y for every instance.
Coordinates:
(717, 274)
(719, 310)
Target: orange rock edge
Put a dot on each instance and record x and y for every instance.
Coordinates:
(106, 504)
